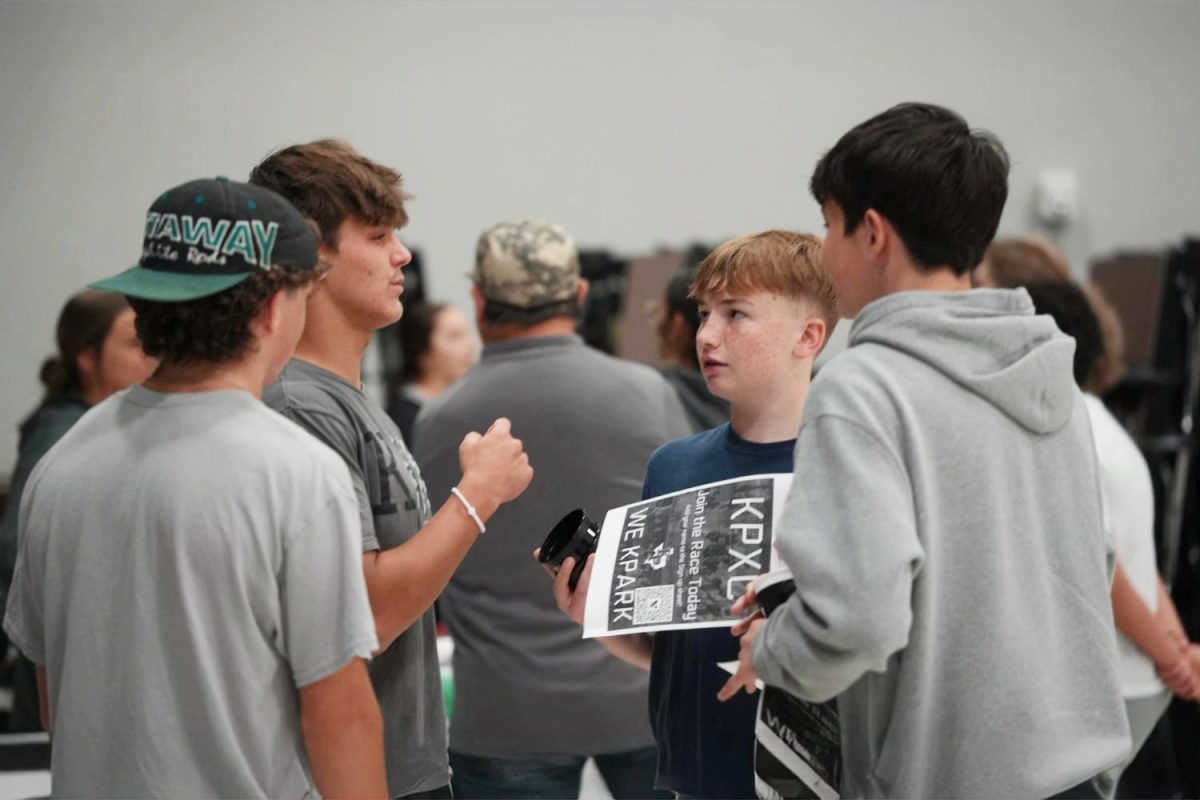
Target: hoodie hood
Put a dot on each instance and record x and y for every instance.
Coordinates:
(989, 341)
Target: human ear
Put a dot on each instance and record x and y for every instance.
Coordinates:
(582, 290)
(811, 338)
(87, 361)
(326, 250)
(325, 255)
(326, 265)
(269, 317)
(876, 231)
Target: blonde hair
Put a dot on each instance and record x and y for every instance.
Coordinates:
(783, 262)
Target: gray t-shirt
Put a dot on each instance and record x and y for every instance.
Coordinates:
(393, 506)
(526, 683)
(187, 562)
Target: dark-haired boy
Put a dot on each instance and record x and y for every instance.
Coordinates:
(188, 579)
(409, 552)
(944, 523)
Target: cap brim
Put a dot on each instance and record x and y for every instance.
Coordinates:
(167, 287)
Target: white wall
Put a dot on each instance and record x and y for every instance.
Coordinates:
(632, 124)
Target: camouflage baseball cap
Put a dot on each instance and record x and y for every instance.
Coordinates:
(526, 265)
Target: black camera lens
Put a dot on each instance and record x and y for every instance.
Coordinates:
(574, 535)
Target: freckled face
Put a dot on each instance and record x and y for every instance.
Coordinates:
(746, 343)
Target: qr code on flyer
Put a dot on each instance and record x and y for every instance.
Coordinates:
(653, 605)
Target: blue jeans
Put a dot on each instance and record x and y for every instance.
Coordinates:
(629, 775)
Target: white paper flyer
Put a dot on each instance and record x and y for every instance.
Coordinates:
(797, 748)
(680, 560)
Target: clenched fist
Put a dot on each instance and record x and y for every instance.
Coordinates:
(495, 467)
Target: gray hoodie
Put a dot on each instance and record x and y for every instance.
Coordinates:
(952, 573)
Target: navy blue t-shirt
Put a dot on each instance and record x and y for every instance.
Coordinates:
(705, 747)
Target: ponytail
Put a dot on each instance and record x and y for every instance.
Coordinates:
(55, 377)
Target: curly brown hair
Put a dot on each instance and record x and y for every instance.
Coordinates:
(214, 329)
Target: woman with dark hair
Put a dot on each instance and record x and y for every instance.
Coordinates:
(1156, 657)
(98, 354)
(1021, 261)
(437, 348)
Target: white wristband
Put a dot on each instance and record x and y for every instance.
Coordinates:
(471, 512)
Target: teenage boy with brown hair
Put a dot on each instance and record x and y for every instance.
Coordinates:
(409, 552)
(944, 523)
(188, 579)
(766, 310)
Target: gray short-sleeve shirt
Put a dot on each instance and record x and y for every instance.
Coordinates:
(187, 562)
(393, 506)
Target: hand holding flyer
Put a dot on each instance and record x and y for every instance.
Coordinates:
(744, 677)
(797, 749)
(680, 560)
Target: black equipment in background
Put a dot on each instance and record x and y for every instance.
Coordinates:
(391, 360)
(605, 274)
(1157, 297)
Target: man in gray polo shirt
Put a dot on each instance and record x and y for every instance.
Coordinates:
(533, 700)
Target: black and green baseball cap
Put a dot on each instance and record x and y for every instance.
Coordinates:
(211, 234)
